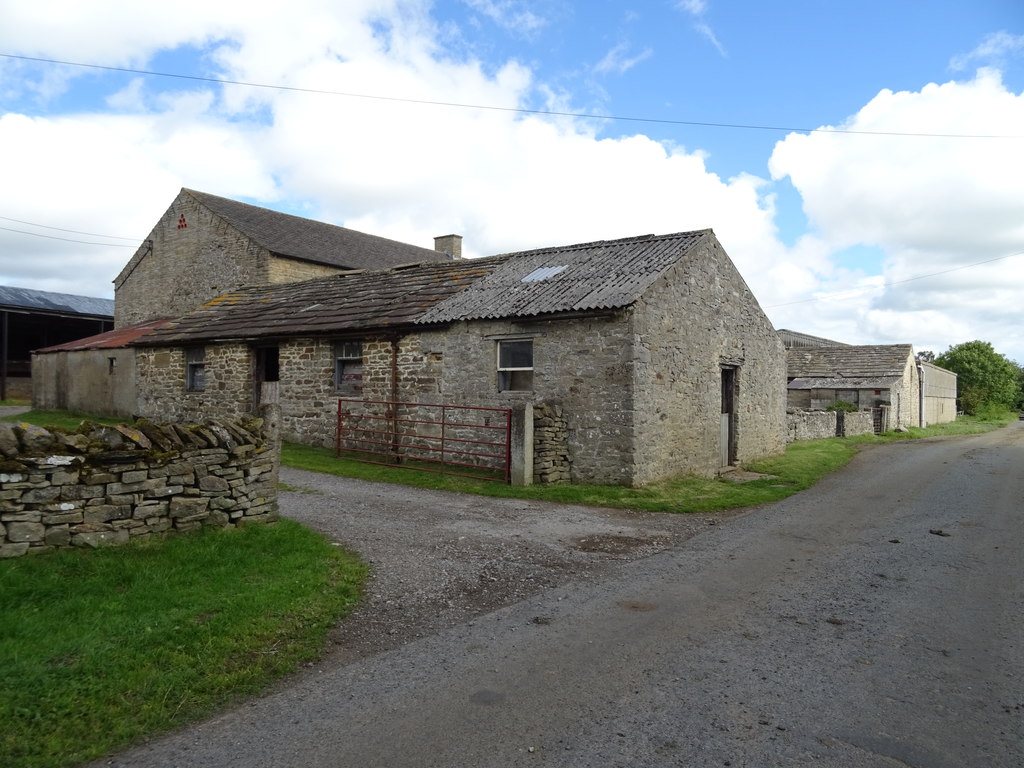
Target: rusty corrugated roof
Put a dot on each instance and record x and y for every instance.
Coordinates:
(115, 339)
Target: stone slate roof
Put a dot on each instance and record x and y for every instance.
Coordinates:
(314, 241)
(347, 302)
(55, 303)
(848, 362)
(115, 339)
(585, 277)
(606, 274)
(854, 382)
(797, 339)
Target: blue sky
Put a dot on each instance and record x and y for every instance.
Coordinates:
(834, 232)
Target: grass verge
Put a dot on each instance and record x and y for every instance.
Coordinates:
(69, 420)
(801, 465)
(101, 648)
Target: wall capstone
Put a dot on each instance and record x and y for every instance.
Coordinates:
(101, 486)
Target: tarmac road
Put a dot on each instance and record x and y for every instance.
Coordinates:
(874, 620)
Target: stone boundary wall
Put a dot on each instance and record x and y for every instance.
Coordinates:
(104, 485)
(817, 425)
(550, 445)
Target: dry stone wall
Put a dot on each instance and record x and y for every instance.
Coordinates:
(551, 465)
(818, 425)
(106, 485)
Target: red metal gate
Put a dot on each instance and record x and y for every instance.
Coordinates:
(468, 441)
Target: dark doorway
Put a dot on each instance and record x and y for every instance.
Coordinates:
(728, 417)
(267, 374)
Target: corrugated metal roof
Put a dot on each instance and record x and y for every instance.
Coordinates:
(314, 241)
(596, 276)
(115, 339)
(866, 361)
(58, 303)
(606, 274)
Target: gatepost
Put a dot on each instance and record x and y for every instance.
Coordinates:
(522, 444)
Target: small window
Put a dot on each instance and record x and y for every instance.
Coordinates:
(515, 365)
(195, 369)
(348, 366)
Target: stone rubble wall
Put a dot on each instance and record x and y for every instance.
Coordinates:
(818, 425)
(107, 485)
(551, 464)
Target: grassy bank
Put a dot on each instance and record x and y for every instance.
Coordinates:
(802, 465)
(101, 648)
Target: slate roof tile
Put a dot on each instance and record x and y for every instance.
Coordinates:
(854, 361)
(315, 241)
(593, 276)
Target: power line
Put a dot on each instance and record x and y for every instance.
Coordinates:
(68, 239)
(59, 229)
(490, 107)
(853, 293)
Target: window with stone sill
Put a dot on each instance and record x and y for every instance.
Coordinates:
(195, 369)
(515, 365)
(348, 367)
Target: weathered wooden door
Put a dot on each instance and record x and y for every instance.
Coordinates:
(267, 373)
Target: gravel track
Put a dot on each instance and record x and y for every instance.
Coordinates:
(439, 559)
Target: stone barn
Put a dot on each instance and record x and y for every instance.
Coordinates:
(204, 246)
(867, 375)
(649, 355)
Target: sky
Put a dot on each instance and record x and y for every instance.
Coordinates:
(861, 163)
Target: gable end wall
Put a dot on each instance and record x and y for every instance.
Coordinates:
(696, 318)
(177, 270)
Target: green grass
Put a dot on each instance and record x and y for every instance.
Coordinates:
(69, 420)
(102, 648)
(802, 465)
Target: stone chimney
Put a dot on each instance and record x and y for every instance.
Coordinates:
(450, 244)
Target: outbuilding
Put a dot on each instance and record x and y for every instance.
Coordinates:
(649, 355)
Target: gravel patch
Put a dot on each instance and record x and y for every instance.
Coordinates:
(439, 559)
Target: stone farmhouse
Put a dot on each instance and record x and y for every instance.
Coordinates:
(204, 246)
(651, 350)
(886, 376)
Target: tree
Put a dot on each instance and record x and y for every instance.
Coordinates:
(926, 356)
(985, 378)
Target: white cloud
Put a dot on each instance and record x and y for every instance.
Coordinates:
(694, 7)
(930, 203)
(409, 171)
(617, 59)
(509, 181)
(512, 15)
(994, 49)
(697, 9)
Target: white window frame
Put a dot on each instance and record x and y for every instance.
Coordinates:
(514, 378)
(348, 353)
